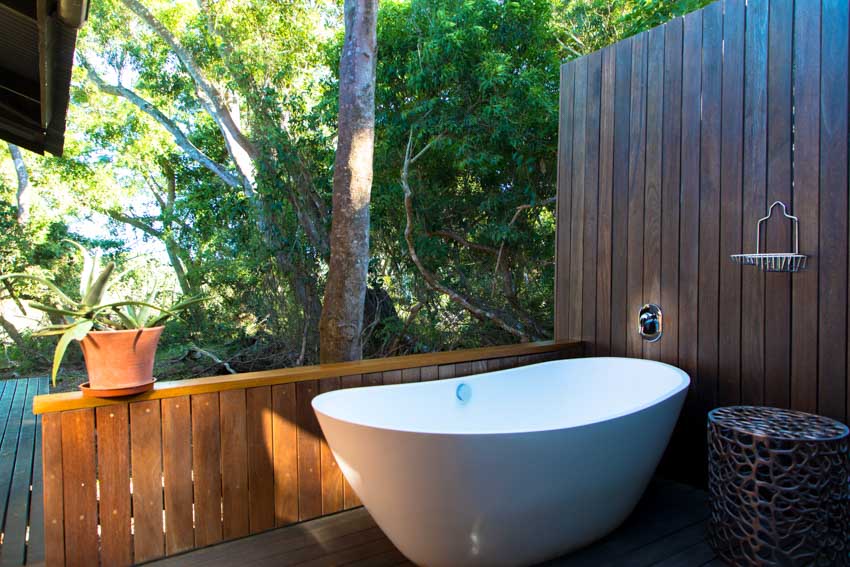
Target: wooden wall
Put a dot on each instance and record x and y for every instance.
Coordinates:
(197, 462)
(672, 145)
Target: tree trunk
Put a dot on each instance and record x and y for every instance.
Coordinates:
(173, 252)
(12, 332)
(342, 313)
(307, 294)
(24, 194)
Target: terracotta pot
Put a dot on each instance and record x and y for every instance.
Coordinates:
(120, 359)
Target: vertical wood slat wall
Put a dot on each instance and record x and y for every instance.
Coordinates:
(163, 476)
(669, 155)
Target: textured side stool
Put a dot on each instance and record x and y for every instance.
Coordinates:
(779, 486)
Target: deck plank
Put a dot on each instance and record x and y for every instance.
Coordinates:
(265, 548)
(17, 512)
(665, 509)
(35, 545)
(9, 446)
(389, 558)
(667, 528)
(368, 552)
(664, 547)
(695, 555)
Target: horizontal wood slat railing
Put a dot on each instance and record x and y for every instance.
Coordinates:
(196, 462)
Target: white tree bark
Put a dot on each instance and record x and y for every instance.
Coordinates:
(148, 108)
(211, 97)
(24, 193)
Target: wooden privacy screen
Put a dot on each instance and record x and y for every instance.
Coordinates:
(196, 462)
(672, 145)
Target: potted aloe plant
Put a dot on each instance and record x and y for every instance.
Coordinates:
(118, 338)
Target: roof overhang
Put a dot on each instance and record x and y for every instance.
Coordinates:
(37, 39)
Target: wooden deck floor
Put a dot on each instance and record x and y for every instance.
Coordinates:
(21, 504)
(666, 530)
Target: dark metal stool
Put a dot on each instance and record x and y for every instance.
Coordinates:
(780, 487)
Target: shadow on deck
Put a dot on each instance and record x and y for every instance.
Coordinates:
(667, 529)
(21, 489)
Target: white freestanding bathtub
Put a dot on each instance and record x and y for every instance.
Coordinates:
(505, 468)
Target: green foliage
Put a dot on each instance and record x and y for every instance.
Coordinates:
(479, 82)
(588, 25)
(472, 84)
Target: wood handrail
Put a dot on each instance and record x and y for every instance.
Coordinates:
(171, 389)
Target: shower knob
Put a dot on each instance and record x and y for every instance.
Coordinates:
(650, 323)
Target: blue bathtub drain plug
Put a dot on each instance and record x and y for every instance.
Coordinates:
(463, 392)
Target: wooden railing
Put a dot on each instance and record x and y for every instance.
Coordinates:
(196, 462)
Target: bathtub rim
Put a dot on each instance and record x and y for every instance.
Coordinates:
(684, 384)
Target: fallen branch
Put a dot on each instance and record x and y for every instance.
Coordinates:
(219, 362)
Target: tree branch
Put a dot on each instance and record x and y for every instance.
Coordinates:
(476, 311)
(426, 148)
(518, 211)
(16, 337)
(225, 49)
(148, 108)
(214, 101)
(155, 189)
(14, 297)
(136, 223)
(455, 237)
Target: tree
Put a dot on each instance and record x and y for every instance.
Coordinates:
(467, 99)
(219, 132)
(241, 68)
(345, 290)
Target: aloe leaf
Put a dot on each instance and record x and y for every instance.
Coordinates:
(96, 262)
(56, 310)
(95, 292)
(87, 275)
(77, 332)
(176, 308)
(136, 324)
(44, 281)
(83, 250)
(53, 327)
(99, 308)
(187, 303)
(159, 320)
(59, 330)
(144, 316)
(118, 278)
(128, 322)
(145, 312)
